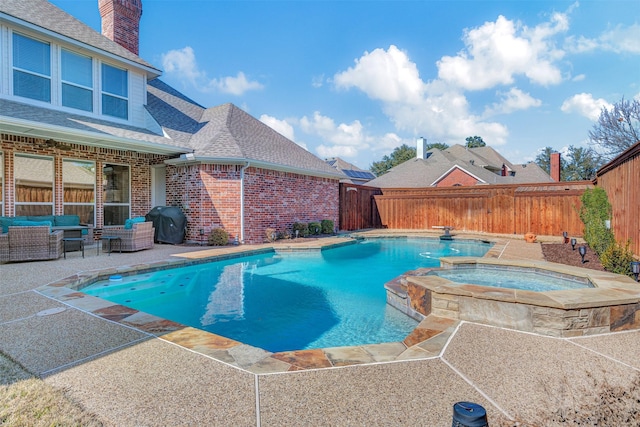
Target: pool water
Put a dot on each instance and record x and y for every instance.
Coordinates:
(513, 278)
(290, 301)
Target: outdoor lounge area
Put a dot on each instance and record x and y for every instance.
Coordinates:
(514, 375)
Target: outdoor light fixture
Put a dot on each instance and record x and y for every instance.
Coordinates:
(635, 269)
(583, 252)
(573, 243)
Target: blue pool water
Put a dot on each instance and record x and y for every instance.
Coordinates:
(513, 278)
(290, 301)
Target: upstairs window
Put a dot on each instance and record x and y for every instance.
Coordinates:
(115, 92)
(31, 68)
(77, 81)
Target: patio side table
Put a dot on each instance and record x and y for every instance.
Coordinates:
(67, 240)
(110, 240)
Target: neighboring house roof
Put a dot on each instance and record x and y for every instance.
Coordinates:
(354, 174)
(51, 18)
(479, 164)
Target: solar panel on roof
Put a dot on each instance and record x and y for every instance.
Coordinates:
(358, 174)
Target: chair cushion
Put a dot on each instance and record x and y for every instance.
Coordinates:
(66, 220)
(5, 222)
(31, 223)
(128, 224)
(49, 218)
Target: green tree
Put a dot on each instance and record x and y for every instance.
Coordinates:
(399, 155)
(475, 141)
(439, 145)
(617, 128)
(577, 164)
(544, 161)
(582, 164)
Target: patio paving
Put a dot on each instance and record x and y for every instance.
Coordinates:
(130, 377)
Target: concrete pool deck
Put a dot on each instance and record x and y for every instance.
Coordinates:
(129, 376)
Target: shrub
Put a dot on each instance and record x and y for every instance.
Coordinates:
(314, 228)
(595, 210)
(326, 225)
(302, 228)
(271, 234)
(617, 259)
(218, 237)
(285, 234)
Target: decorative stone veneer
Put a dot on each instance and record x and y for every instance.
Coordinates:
(612, 305)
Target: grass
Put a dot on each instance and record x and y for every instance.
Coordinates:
(28, 401)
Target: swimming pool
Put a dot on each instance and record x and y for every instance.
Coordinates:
(290, 301)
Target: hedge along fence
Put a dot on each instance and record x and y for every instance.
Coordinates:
(543, 209)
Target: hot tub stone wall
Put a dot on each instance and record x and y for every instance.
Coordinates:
(417, 301)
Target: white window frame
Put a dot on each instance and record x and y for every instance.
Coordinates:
(93, 204)
(15, 68)
(17, 203)
(63, 82)
(103, 92)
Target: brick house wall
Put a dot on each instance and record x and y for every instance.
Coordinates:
(139, 169)
(275, 199)
(209, 195)
(457, 177)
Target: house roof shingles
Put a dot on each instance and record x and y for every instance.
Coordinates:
(417, 173)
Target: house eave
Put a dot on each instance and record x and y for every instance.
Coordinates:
(72, 136)
(253, 163)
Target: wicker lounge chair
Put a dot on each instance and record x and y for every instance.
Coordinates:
(30, 243)
(137, 238)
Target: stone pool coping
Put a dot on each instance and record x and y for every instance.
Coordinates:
(427, 339)
(609, 306)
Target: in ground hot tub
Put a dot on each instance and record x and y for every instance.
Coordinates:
(534, 296)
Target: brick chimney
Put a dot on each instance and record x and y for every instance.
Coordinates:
(121, 21)
(555, 166)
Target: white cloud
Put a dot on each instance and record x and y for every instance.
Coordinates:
(586, 105)
(317, 81)
(497, 52)
(235, 85)
(620, 39)
(436, 109)
(579, 78)
(344, 140)
(182, 64)
(388, 76)
(511, 101)
(281, 126)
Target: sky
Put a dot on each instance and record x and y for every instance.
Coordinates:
(355, 79)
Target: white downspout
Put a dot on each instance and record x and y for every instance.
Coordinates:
(242, 201)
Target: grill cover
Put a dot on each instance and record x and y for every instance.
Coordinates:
(169, 222)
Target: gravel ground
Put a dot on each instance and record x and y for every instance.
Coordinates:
(563, 254)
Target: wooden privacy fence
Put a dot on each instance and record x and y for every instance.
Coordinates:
(620, 178)
(543, 209)
(357, 207)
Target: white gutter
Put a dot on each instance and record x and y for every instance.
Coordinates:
(242, 201)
